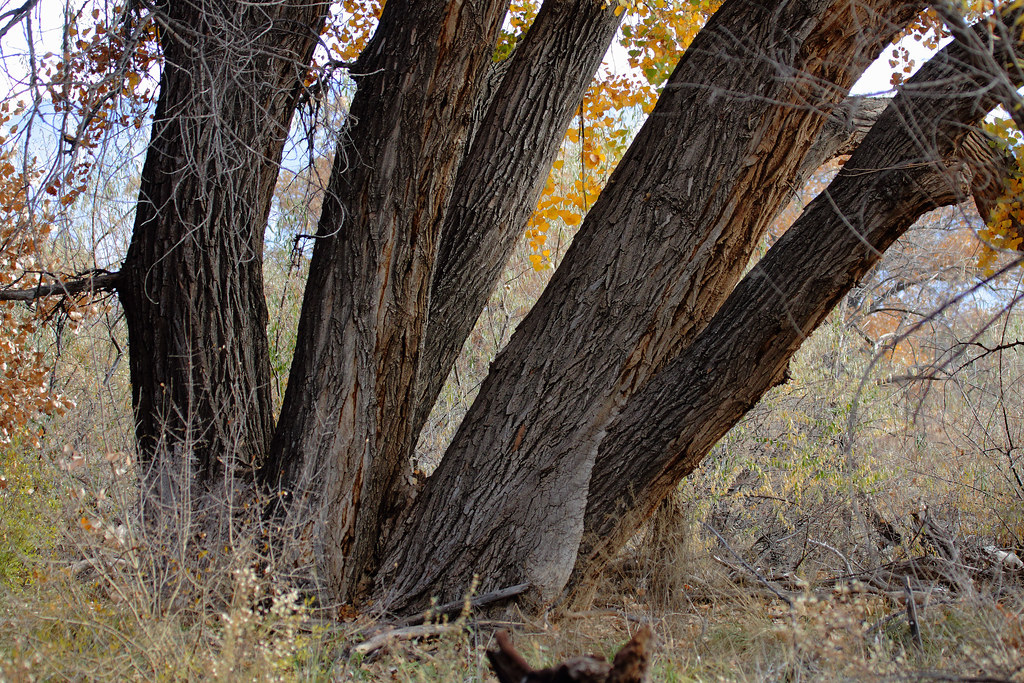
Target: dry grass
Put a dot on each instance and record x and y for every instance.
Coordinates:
(87, 593)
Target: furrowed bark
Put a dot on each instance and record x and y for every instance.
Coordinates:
(918, 156)
(504, 171)
(344, 434)
(842, 134)
(192, 281)
(654, 259)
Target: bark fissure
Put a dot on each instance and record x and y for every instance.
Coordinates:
(344, 435)
(503, 173)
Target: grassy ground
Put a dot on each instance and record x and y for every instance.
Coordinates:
(790, 500)
(85, 598)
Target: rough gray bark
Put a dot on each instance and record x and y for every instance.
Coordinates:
(655, 257)
(344, 434)
(504, 172)
(921, 154)
(843, 132)
(192, 281)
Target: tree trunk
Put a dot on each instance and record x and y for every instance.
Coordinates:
(504, 172)
(192, 281)
(344, 436)
(656, 256)
(917, 157)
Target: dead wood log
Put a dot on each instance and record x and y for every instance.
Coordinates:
(408, 633)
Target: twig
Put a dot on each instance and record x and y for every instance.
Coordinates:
(826, 546)
(915, 626)
(882, 622)
(746, 566)
(456, 606)
(16, 14)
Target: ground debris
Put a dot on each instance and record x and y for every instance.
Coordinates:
(630, 665)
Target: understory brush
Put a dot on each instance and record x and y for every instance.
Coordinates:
(795, 552)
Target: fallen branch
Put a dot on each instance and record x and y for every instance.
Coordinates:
(785, 598)
(457, 606)
(408, 633)
(437, 613)
(912, 621)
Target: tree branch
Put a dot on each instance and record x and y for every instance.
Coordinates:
(980, 53)
(846, 127)
(16, 14)
(96, 281)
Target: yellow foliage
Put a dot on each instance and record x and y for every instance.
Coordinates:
(350, 28)
(1004, 228)
(654, 34)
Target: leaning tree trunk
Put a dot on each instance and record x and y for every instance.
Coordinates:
(344, 434)
(654, 259)
(192, 281)
(504, 172)
(921, 154)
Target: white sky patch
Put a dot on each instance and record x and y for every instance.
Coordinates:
(876, 80)
(47, 24)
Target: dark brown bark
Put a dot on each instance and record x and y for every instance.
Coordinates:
(345, 433)
(655, 257)
(918, 156)
(503, 174)
(192, 281)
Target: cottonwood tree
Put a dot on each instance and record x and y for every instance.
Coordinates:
(646, 346)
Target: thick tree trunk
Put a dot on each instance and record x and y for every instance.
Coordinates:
(503, 174)
(918, 156)
(654, 259)
(344, 436)
(192, 282)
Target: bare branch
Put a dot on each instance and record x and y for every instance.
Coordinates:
(16, 15)
(408, 633)
(89, 283)
(456, 606)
